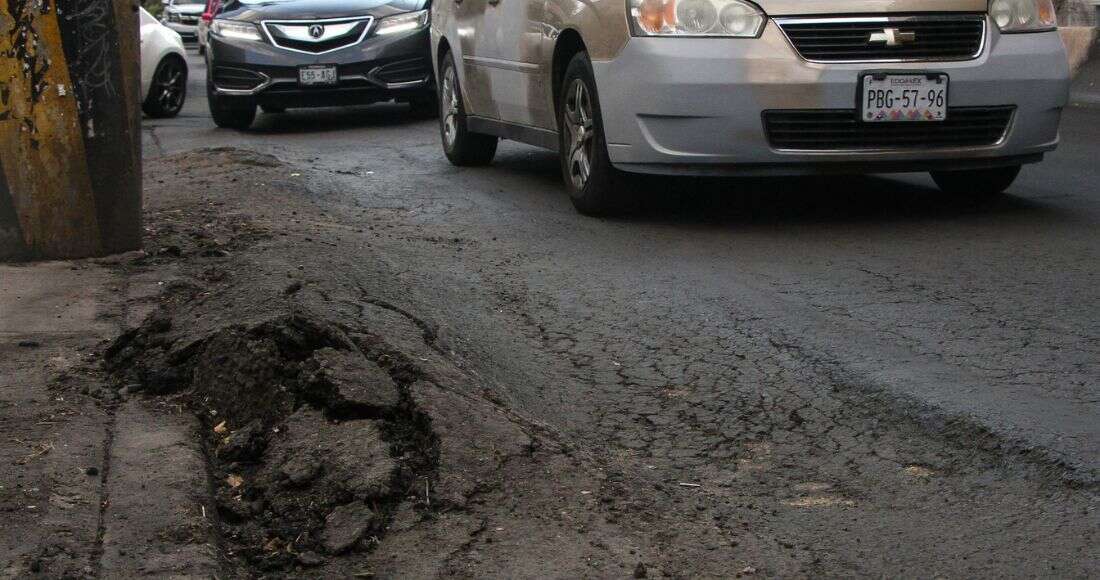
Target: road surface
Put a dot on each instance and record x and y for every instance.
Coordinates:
(835, 334)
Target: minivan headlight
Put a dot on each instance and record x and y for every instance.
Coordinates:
(1023, 15)
(234, 29)
(729, 18)
(402, 22)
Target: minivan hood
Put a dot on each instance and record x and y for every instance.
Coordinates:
(257, 10)
(833, 7)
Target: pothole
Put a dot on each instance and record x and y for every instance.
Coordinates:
(313, 438)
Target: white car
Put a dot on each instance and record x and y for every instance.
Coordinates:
(183, 16)
(163, 69)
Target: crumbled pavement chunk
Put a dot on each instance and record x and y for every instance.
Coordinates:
(358, 380)
(301, 469)
(345, 526)
(351, 455)
(244, 444)
(310, 559)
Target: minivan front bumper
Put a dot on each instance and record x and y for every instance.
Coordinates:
(696, 105)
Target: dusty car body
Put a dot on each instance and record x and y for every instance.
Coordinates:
(787, 95)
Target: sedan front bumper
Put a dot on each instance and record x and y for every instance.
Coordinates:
(697, 106)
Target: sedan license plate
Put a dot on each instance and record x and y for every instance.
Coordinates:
(896, 98)
(317, 75)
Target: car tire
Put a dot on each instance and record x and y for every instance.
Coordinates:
(592, 181)
(230, 112)
(272, 110)
(168, 89)
(462, 146)
(976, 183)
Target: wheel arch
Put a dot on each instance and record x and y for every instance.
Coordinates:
(177, 56)
(566, 46)
(443, 48)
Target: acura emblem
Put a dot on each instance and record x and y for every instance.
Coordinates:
(316, 30)
(893, 37)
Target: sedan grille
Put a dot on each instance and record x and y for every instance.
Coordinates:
(842, 130)
(317, 36)
(886, 39)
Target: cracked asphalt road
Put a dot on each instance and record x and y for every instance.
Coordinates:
(875, 376)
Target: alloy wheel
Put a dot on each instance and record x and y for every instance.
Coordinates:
(449, 103)
(581, 132)
(170, 86)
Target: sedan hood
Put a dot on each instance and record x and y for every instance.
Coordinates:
(834, 7)
(257, 10)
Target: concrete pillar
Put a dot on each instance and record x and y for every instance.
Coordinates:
(70, 133)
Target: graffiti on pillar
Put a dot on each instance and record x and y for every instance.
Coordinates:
(89, 27)
(25, 45)
(25, 48)
(5, 101)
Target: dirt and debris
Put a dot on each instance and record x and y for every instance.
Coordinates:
(344, 435)
(304, 419)
(346, 525)
(349, 433)
(243, 445)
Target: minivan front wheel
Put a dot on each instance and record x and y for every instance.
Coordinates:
(462, 146)
(976, 183)
(589, 176)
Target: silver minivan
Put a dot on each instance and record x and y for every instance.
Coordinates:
(969, 90)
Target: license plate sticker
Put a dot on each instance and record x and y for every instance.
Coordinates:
(317, 75)
(903, 98)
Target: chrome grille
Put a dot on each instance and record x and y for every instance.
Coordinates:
(935, 37)
(334, 34)
(841, 130)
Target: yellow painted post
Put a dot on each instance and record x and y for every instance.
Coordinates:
(70, 166)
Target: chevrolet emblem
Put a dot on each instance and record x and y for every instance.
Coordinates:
(893, 37)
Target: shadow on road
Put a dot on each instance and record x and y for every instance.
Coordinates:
(797, 200)
(337, 119)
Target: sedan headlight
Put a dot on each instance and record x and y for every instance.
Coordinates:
(730, 18)
(402, 22)
(234, 29)
(1023, 15)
